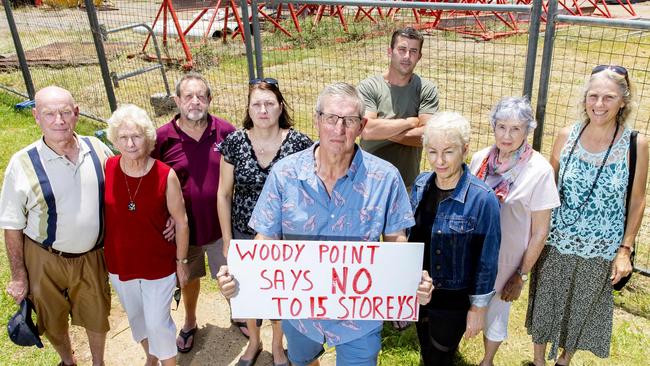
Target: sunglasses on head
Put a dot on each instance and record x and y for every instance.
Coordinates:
(270, 81)
(617, 69)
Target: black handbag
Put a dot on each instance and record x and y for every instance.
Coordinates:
(618, 286)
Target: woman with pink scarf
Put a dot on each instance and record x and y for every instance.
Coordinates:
(525, 185)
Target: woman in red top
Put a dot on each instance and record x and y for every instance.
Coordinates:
(140, 195)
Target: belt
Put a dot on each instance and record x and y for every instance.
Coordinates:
(64, 254)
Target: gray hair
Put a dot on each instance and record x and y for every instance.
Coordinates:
(192, 76)
(129, 113)
(626, 89)
(517, 108)
(342, 90)
(449, 123)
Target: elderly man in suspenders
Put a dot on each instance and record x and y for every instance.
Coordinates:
(51, 210)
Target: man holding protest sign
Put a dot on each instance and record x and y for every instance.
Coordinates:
(333, 191)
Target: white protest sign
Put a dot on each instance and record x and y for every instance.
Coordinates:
(283, 279)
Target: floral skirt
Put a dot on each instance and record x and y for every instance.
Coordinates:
(571, 303)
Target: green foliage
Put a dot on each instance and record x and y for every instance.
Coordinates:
(399, 347)
(630, 339)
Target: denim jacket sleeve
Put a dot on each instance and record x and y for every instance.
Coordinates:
(416, 193)
(483, 288)
(481, 301)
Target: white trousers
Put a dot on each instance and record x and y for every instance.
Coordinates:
(496, 320)
(148, 305)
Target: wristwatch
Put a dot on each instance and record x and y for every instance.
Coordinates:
(183, 261)
(524, 276)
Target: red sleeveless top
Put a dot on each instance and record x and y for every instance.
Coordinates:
(134, 245)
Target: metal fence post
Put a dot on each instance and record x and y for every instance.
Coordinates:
(256, 40)
(533, 40)
(20, 53)
(545, 74)
(247, 38)
(101, 54)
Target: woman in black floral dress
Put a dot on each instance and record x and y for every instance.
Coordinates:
(247, 157)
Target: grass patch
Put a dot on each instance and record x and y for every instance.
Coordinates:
(635, 296)
(630, 339)
(326, 32)
(43, 37)
(399, 348)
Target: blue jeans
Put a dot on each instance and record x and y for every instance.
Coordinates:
(362, 351)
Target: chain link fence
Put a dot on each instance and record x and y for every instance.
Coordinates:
(303, 53)
(471, 74)
(58, 44)
(577, 48)
(59, 48)
(212, 52)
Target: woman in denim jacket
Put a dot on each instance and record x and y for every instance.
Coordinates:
(457, 217)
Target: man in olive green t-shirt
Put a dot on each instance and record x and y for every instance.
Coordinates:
(398, 104)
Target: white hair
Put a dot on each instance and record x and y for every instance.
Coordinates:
(450, 123)
(342, 90)
(129, 113)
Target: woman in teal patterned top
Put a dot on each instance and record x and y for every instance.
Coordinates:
(590, 242)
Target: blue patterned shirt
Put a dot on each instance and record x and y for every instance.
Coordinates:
(368, 201)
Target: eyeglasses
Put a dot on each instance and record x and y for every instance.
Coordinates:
(617, 69)
(270, 81)
(50, 116)
(332, 119)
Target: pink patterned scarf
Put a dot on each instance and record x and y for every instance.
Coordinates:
(501, 175)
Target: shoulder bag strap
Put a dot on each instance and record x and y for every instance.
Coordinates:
(632, 171)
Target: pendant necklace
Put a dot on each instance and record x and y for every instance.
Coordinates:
(271, 147)
(131, 205)
(593, 185)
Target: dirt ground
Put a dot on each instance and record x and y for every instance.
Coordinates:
(217, 342)
(58, 55)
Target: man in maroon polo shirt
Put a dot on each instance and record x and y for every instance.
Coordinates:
(188, 143)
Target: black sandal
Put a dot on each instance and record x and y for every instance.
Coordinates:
(65, 364)
(401, 325)
(185, 336)
(243, 328)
